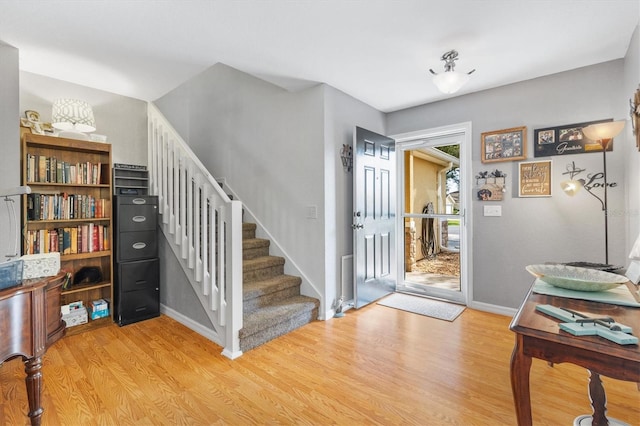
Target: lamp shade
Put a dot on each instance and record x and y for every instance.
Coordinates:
(571, 187)
(450, 81)
(72, 114)
(603, 131)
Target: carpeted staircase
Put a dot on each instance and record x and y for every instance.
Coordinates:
(272, 303)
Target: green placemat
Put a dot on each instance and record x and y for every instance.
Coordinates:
(616, 296)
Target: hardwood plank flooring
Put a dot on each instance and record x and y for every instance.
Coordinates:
(375, 366)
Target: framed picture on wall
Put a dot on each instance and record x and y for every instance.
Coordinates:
(565, 140)
(504, 145)
(534, 178)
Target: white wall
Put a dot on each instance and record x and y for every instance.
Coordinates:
(536, 230)
(9, 143)
(123, 120)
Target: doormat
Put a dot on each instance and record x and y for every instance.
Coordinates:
(423, 306)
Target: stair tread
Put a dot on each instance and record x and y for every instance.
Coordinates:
(278, 312)
(255, 242)
(254, 289)
(262, 262)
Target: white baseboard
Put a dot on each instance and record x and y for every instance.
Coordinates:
(191, 324)
(494, 309)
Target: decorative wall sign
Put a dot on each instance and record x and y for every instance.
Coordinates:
(565, 140)
(581, 178)
(635, 115)
(346, 155)
(504, 145)
(491, 185)
(534, 179)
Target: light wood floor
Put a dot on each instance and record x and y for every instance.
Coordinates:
(375, 366)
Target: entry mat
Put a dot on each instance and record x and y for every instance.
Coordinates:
(423, 306)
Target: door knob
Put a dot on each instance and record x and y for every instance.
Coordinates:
(357, 226)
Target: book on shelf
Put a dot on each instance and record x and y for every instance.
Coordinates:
(65, 206)
(43, 169)
(85, 238)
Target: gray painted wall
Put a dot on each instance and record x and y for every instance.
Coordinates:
(249, 131)
(9, 137)
(536, 230)
(123, 120)
(342, 114)
(631, 83)
(268, 144)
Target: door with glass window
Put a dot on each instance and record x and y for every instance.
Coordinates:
(433, 217)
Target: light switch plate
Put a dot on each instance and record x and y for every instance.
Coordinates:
(493, 210)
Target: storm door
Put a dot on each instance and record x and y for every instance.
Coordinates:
(433, 190)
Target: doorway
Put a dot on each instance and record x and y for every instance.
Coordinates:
(433, 198)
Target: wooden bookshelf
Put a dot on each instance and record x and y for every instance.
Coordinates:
(57, 168)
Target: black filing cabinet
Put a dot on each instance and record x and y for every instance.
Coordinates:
(137, 283)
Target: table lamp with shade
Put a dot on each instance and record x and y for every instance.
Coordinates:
(73, 118)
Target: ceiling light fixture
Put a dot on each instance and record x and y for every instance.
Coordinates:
(450, 81)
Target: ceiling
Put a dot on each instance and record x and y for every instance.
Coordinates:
(378, 51)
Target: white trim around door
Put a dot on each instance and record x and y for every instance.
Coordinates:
(412, 140)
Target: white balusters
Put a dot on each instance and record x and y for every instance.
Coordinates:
(202, 225)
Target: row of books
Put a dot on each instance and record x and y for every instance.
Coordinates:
(41, 168)
(85, 238)
(65, 206)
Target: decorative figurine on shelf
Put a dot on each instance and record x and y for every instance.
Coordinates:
(32, 121)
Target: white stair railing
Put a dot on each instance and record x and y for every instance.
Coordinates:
(203, 227)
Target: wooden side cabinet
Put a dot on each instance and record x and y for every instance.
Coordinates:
(69, 211)
(30, 323)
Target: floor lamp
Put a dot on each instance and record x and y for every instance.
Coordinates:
(604, 133)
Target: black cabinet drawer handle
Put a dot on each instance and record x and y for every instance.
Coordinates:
(139, 219)
(139, 201)
(141, 308)
(141, 282)
(139, 246)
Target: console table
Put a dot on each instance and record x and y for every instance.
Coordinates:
(538, 336)
(30, 322)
